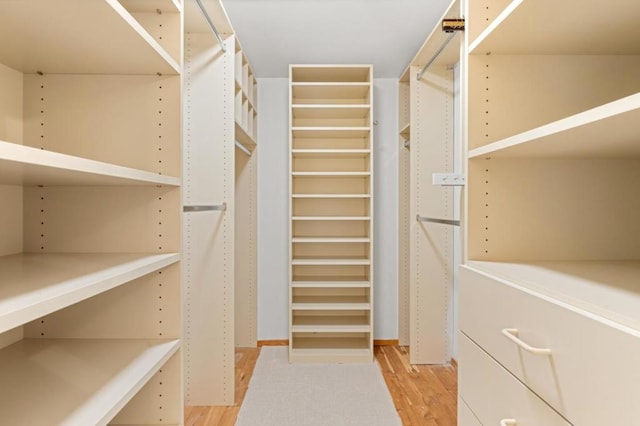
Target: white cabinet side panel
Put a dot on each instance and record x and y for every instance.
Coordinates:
(208, 236)
(431, 243)
(404, 220)
(245, 250)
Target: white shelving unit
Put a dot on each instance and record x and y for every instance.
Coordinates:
(426, 141)
(220, 167)
(90, 327)
(553, 170)
(331, 215)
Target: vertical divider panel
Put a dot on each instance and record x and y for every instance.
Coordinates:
(209, 172)
(404, 219)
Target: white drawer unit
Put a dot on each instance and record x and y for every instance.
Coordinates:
(580, 363)
(497, 397)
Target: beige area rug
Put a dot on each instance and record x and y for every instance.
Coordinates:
(283, 394)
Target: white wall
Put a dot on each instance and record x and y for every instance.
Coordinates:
(273, 286)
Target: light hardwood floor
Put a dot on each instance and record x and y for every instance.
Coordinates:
(423, 395)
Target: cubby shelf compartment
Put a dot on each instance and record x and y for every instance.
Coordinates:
(34, 285)
(330, 93)
(405, 131)
(330, 324)
(323, 111)
(23, 165)
(89, 40)
(330, 240)
(610, 130)
(330, 174)
(330, 284)
(527, 27)
(330, 153)
(75, 381)
(330, 132)
(330, 218)
(331, 196)
(326, 303)
(330, 262)
(608, 289)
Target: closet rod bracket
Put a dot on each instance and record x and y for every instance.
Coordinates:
(440, 221)
(218, 207)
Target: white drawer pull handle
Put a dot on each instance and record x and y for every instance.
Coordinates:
(512, 334)
(508, 422)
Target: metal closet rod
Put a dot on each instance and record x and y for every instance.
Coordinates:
(208, 208)
(243, 148)
(441, 221)
(435, 55)
(450, 26)
(210, 22)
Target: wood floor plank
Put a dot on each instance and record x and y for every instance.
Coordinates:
(423, 395)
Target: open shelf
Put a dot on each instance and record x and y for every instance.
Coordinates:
(330, 240)
(527, 27)
(356, 218)
(328, 111)
(330, 174)
(330, 324)
(331, 196)
(405, 131)
(609, 130)
(73, 381)
(87, 37)
(605, 288)
(330, 73)
(330, 132)
(330, 93)
(23, 165)
(338, 261)
(325, 303)
(330, 153)
(34, 285)
(335, 282)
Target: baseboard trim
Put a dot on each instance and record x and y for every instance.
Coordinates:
(454, 362)
(262, 343)
(388, 342)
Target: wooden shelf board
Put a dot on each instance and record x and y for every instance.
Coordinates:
(610, 130)
(330, 174)
(331, 73)
(605, 288)
(331, 284)
(195, 23)
(330, 196)
(152, 6)
(331, 240)
(331, 153)
(243, 137)
(355, 91)
(354, 218)
(23, 165)
(34, 285)
(405, 131)
(75, 381)
(330, 111)
(336, 261)
(330, 132)
(551, 28)
(319, 328)
(87, 37)
(330, 303)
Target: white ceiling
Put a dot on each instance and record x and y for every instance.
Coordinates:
(385, 33)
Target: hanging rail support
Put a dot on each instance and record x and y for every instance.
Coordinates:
(219, 207)
(440, 221)
(243, 148)
(450, 26)
(206, 17)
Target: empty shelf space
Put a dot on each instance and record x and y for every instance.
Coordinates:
(609, 130)
(331, 240)
(338, 261)
(325, 303)
(244, 138)
(330, 174)
(330, 324)
(87, 39)
(34, 285)
(341, 73)
(550, 27)
(330, 132)
(335, 282)
(330, 153)
(327, 218)
(330, 93)
(328, 111)
(73, 381)
(605, 288)
(23, 165)
(331, 196)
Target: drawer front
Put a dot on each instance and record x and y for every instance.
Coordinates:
(465, 416)
(591, 376)
(494, 395)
